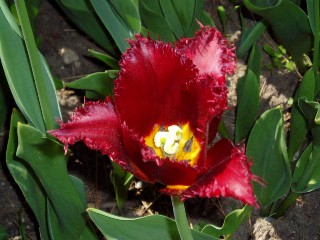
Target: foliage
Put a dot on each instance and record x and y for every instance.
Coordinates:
(39, 167)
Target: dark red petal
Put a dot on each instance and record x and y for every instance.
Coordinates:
(150, 84)
(170, 172)
(204, 99)
(213, 128)
(210, 52)
(229, 175)
(97, 125)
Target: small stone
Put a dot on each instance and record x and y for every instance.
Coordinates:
(69, 56)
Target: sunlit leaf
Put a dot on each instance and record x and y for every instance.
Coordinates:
(250, 37)
(267, 148)
(298, 124)
(146, 228)
(248, 90)
(231, 223)
(292, 29)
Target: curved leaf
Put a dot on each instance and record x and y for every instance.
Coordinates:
(298, 124)
(29, 184)
(99, 83)
(146, 228)
(231, 223)
(121, 19)
(292, 29)
(20, 82)
(248, 93)
(45, 158)
(267, 148)
(41, 75)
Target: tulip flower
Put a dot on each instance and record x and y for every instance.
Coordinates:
(162, 120)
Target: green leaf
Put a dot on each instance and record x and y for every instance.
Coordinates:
(231, 223)
(110, 61)
(45, 157)
(267, 148)
(250, 37)
(172, 17)
(188, 12)
(22, 225)
(154, 21)
(298, 124)
(43, 80)
(121, 19)
(25, 177)
(146, 228)
(299, 170)
(311, 13)
(306, 177)
(206, 19)
(248, 93)
(292, 29)
(81, 13)
(100, 83)
(20, 81)
(223, 16)
(118, 178)
(3, 233)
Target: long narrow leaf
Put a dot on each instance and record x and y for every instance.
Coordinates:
(248, 89)
(42, 78)
(24, 176)
(292, 29)
(172, 18)
(146, 228)
(99, 83)
(250, 37)
(113, 20)
(154, 21)
(298, 124)
(17, 69)
(267, 148)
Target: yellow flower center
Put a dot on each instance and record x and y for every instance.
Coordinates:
(177, 143)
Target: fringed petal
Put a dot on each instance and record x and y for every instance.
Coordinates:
(204, 99)
(229, 175)
(150, 84)
(210, 52)
(97, 125)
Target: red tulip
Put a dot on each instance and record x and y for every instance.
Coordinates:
(160, 124)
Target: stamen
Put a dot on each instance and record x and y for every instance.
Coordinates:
(160, 138)
(175, 131)
(187, 147)
(169, 141)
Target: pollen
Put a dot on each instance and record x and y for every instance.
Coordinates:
(169, 141)
(174, 142)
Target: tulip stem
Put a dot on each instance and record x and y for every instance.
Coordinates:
(181, 218)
